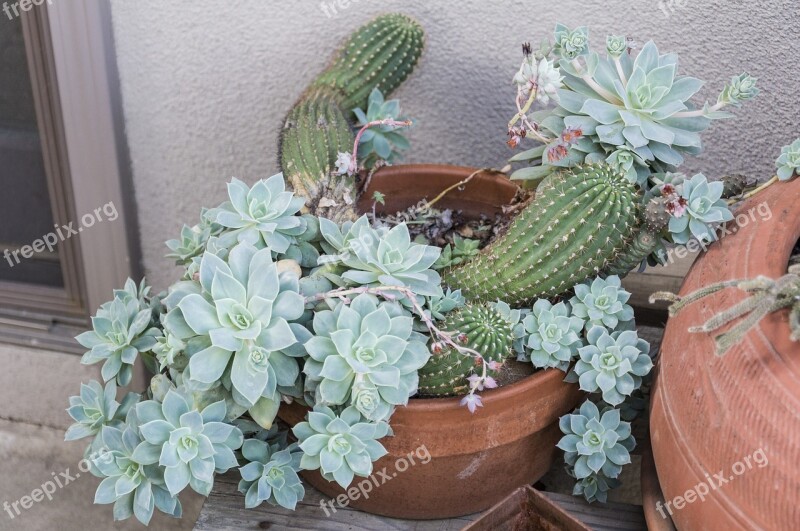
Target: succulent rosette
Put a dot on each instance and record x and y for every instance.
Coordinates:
(120, 332)
(379, 257)
(239, 310)
(553, 335)
(96, 407)
(789, 161)
(602, 303)
(383, 142)
(705, 209)
(595, 443)
(342, 446)
(270, 474)
(613, 364)
(264, 215)
(136, 488)
(365, 354)
(189, 444)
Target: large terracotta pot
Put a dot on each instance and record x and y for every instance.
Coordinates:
(712, 415)
(463, 463)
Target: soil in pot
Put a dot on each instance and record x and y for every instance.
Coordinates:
(730, 425)
(444, 461)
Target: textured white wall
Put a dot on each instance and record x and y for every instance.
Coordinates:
(206, 84)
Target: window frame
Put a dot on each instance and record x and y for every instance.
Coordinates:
(71, 59)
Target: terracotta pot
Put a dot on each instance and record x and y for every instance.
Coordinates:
(712, 415)
(462, 463)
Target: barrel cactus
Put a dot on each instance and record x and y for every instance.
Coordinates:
(576, 226)
(479, 327)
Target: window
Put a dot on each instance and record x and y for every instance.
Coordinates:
(62, 160)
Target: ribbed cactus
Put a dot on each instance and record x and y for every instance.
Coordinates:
(644, 243)
(572, 230)
(314, 133)
(481, 328)
(381, 54)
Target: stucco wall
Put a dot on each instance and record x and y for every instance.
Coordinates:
(207, 84)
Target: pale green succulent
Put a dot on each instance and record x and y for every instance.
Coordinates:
(264, 215)
(189, 444)
(594, 487)
(595, 443)
(438, 306)
(96, 407)
(192, 243)
(704, 210)
(462, 250)
(514, 318)
(120, 332)
(570, 44)
(613, 364)
(170, 352)
(384, 142)
(365, 354)
(134, 487)
(789, 161)
(616, 45)
(340, 447)
(240, 311)
(602, 303)
(270, 474)
(554, 335)
(741, 88)
(378, 257)
(626, 161)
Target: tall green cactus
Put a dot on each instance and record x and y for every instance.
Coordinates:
(380, 54)
(314, 133)
(481, 328)
(574, 228)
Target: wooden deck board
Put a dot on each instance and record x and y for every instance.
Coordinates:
(224, 508)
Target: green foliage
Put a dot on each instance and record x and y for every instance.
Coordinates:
(121, 330)
(577, 224)
(613, 364)
(342, 446)
(96, 407)
(271, 474)
(596, 445)
(553, 335)
(385, 142)
(789, 162)
(379, 257)
(189, 444)
(602, 303)
(705, 209)
(365, 354)
(461, 251)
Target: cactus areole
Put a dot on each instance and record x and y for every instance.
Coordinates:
(575, 227)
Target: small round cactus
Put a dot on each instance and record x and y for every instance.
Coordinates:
(733, 185)
(656, 216)
(481, 328)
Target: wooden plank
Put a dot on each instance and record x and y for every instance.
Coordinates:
(601, 517)
(224, 510)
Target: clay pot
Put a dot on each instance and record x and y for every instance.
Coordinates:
(443, 461)
(712, 415)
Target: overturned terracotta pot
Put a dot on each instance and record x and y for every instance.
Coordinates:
(443, 461)
(729, 426)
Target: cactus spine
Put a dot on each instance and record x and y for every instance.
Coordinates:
(573, 229)
(380, 54)
(481, 328)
